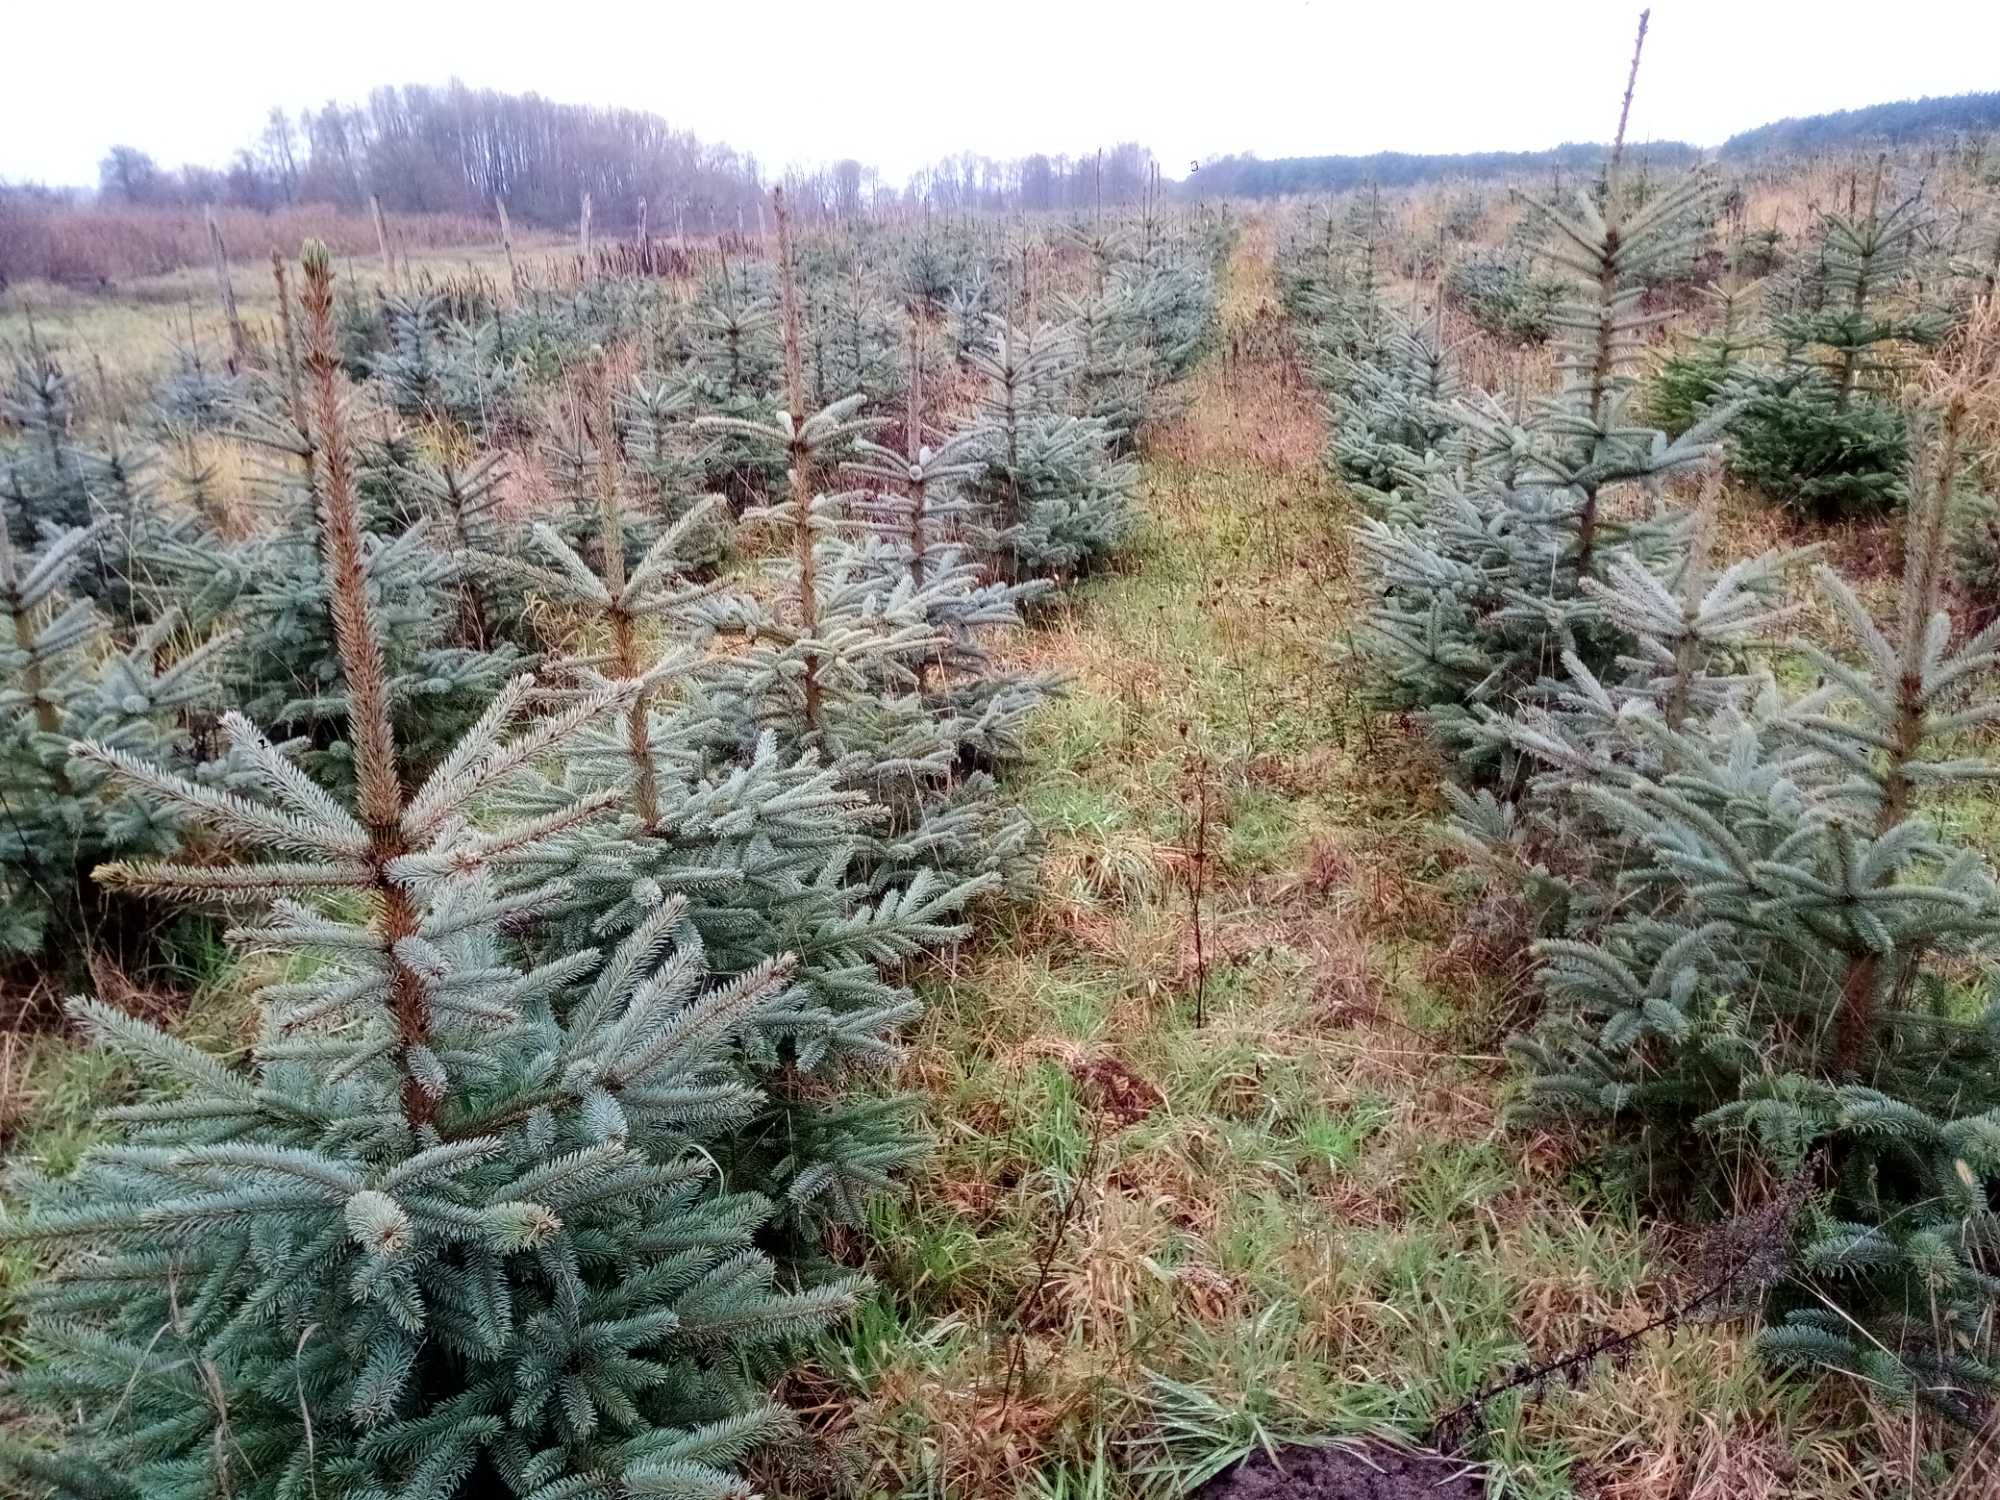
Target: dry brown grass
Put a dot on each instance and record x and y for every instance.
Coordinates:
(1252, 408)
(91, 247)
(16, 1101)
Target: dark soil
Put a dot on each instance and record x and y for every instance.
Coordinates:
(1111, 1087)
(1350, 1471)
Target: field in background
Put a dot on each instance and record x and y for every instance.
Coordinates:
(100, 248)
(122, 336)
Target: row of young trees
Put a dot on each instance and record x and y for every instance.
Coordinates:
(1763, 928)
(1816, 351)
(590, 970)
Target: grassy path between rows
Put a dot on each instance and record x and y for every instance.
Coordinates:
(1189, 1195)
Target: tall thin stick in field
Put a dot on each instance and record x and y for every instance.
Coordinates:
(239, 345)
(507, 244)
(801, 454)
(382, 239)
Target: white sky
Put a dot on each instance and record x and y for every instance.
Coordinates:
(898, 84)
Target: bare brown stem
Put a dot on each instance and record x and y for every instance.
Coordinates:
(801, 458)
(357, 637)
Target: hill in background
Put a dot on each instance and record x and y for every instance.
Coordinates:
(1896, 123)
(1878, 124)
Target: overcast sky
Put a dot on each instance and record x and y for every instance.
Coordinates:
(899, 84)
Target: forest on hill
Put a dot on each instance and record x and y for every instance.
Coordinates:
(1891, 124)
(1898, 123)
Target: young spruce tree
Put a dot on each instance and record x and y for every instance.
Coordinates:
(1489, 592)
(1797, 958)
(454, 1228)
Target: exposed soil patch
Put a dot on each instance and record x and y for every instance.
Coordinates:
(1355, 1471)
(1113, 1089)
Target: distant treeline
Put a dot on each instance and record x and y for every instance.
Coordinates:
(1884, 124)
(1252, 177)
(456, 150)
